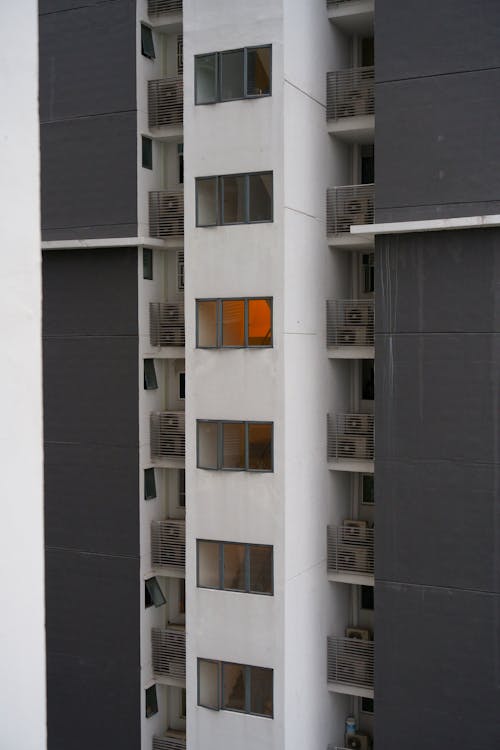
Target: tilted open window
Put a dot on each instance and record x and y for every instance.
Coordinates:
(234, 74)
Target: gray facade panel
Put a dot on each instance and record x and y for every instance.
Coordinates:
(89, 177)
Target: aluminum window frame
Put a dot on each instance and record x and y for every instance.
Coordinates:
(147, 264)
(198, 664)
(150, 376)
(247, 671)
(205, 178)
(218, 75)
(220, 567)
(150, 484)
(147, 38)
(219, 322)
(219, 423)
(219, 198)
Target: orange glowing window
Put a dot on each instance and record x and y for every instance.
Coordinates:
(259, 322)
(225, 323)
(233, 322)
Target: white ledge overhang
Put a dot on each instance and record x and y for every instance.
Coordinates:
(369, 231)
(112, 242)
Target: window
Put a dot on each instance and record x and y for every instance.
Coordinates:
(180, 271)
(151, 701)
(367, 597)
(230, 566)
(150, 381)
(234, 199)
(182, 596)
(368, 273)
(235, 446)
(367, 705)
(182, 386)
(147, 44)
(180, 158)
(147, 153)
(182, 706)
(182, 488)
(147, 263)
(153, 593)
(367, 489)
(367, 164)
(149, 484)
(235, 687)
(228, 323)
(367, 380)
(180, 54)
(233, 74)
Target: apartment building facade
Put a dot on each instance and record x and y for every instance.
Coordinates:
(210, 208)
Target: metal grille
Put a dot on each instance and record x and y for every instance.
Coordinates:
(169, 652)
(350, 93)
(166, 213)
(350, 662)
(165, 102)
(349, 323)
(162, 7)
(169, 743)
(168, 435)
(348, 205)
(350, 549)
(166, 324)
(168, 544)
(350, 437)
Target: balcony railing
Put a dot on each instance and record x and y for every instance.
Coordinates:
(169, 652)
(165, 102)
(168, 544)
(166, 214)
(170, 741)
(350, 437)
(168, 435)
(166, 324)
(350, 662)
(349, 323)
(350, 93)
(348, 205)
(164, 7)
(350, 549)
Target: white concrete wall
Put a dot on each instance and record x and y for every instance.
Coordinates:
(22, 632)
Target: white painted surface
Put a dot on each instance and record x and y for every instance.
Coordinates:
(368, 231)
(22, 632)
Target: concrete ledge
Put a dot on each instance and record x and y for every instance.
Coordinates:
(352, 352)
(361, 467)
(369, 231)
(335, 687)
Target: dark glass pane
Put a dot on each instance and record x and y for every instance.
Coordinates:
(261, 197)
(208, 565)
(182, 488)
(205, 67)
(367, 380)
(233, 199)
(259, 322)
(232, 74)
(149, 484)
(147, 46)
(180, 156)
(147, 153)
(367, 705)
(153, 593)
(260, 446)
(182, 596)
(182, 385)
(367, 597)
(368, 490)
(233, 322)
(259, 71)
(207, 324)
(261, 569)
(150, 382)
(147, 263)
(208, 684)
(261, 691)
(233, 687)
(367, 165)
(151, 701)
(234, 567)
(233, 456)
(207, 445)
(206, 201)
(367, 52)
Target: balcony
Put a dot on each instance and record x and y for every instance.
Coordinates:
(165, 107)
(352, 16)
(347, 206)
(166, 326)
(166, 214)
(169, 654)
(171, 740)
(350, 442)
(350, 666)
(166, 15)
(168, 546)
(350, 104)
(168, 438)
(350, 553)
(349, 329)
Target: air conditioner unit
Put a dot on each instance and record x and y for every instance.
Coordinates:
(357, 741)
(351, 528)
(359, 424)
(354, 446)
(352, 336)
(172, 314)
(172, 337)
(353, 559)
(357, 314)
(358, 634)
(170, 422)
(173, 446)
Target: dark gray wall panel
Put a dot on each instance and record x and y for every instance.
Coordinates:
(437, 656)
(424, 37)
(87, 61)
(88, 176)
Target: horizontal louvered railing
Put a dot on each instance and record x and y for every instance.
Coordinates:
(350, 93)
(349, 323)
(169, 652)
(350, 437)
(166, 213)
(168, 435)
(169, 743)
(350, 549)
(350, 662)
(166, 324)
(165, 102)
(349, 205)
(168, 544)
(163, 7)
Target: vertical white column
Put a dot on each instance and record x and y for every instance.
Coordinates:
(22, 632)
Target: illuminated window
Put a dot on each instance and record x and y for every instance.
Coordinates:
(235, 446)
(226, 323)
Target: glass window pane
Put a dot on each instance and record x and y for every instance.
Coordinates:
(233, 322)
(150, 382)
(207, 445)
(206, 201)
(151, 701)
(208, 565)
(207, 323)
(259, 322)
(147, 45)
(261, 197)
(261, 691)
(259, 71)
(260, 446)
(233, 687)
(182, 488)
(232, 74)
(208, 684)
(367, 597)
(153, 593)
(147, 153)
(233, 199)
(233, 456)
(368, 490)
(234, 567)
(261, 569)
(149, 484)
(367, 380)
(205, 67)
(147, 263)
